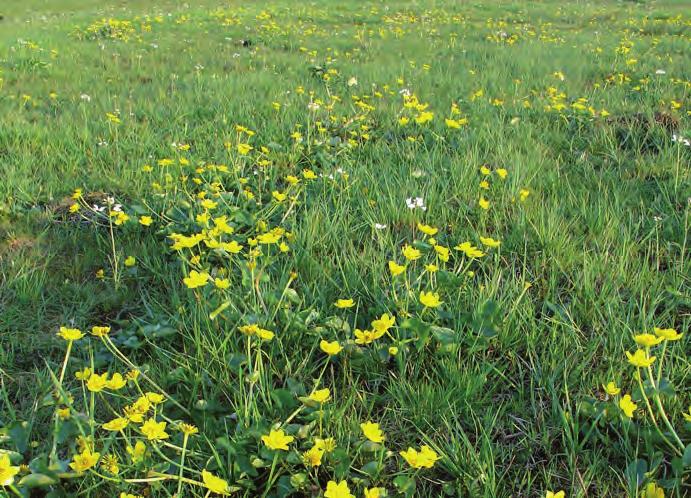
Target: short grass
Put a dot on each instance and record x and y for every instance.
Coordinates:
(578, 102)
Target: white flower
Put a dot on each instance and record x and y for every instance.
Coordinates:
(85, 97)
(379, 226)
(681, 140)
(352, 81)
(660, 71)
(313, 106)
(416, 202)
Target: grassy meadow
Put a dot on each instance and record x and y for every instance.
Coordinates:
(345, 249)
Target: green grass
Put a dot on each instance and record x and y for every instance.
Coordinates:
(507, 384)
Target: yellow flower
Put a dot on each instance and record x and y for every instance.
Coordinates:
(393, 350)
(269, 238)
(469, 250)
(627, 405)
(484, 170)
(330, 348)
(85, 460)
(372, 432)
(278, 196)
(502, 173)
(345, 303)
(442, 252)
(410, 253)
(70, 334)
(383, 323)
(337, 490)
(490, 242)
(455, 124)
(244, 149)
(7, 470)
(265, 335)
(425, 458)
(110, 464)
(640, 359)
(277, 440)
(523, 194)
(188, 429)
(558, 494)
(100, 331)
(427, 230)
(136, 411)
(424, 117)
(395, 268)
(652, 490)
(137, 453)
(647, 340)
(215, 484)
(83, 374)
(328, 444)
(154, 398)
(154, 431)
(668, 334)
(117, 424)
(313, 456)
(687, 415)
(483, 203)
(430, 299)
(612, 389)
(196, 279)
(63, 413)
(321, 395)
(97, 383)
(364, 337)
(146, 220)
(374, 492)
(116, 382)
(130, 261)
(231, 247)
(222, 283)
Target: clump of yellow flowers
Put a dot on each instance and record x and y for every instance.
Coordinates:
(646, 403)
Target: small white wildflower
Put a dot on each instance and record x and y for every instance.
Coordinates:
(415, 203)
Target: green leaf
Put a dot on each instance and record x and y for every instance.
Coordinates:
(686, 458)
(284, 399)
(19, 433)
(405, 485)
(444, 335)
(635, 473)
(338, 324)
(36, 481)
(372, 469)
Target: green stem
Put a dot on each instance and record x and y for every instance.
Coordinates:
(652, 414)
(269, 483)
(182, 464)
(663, 414)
